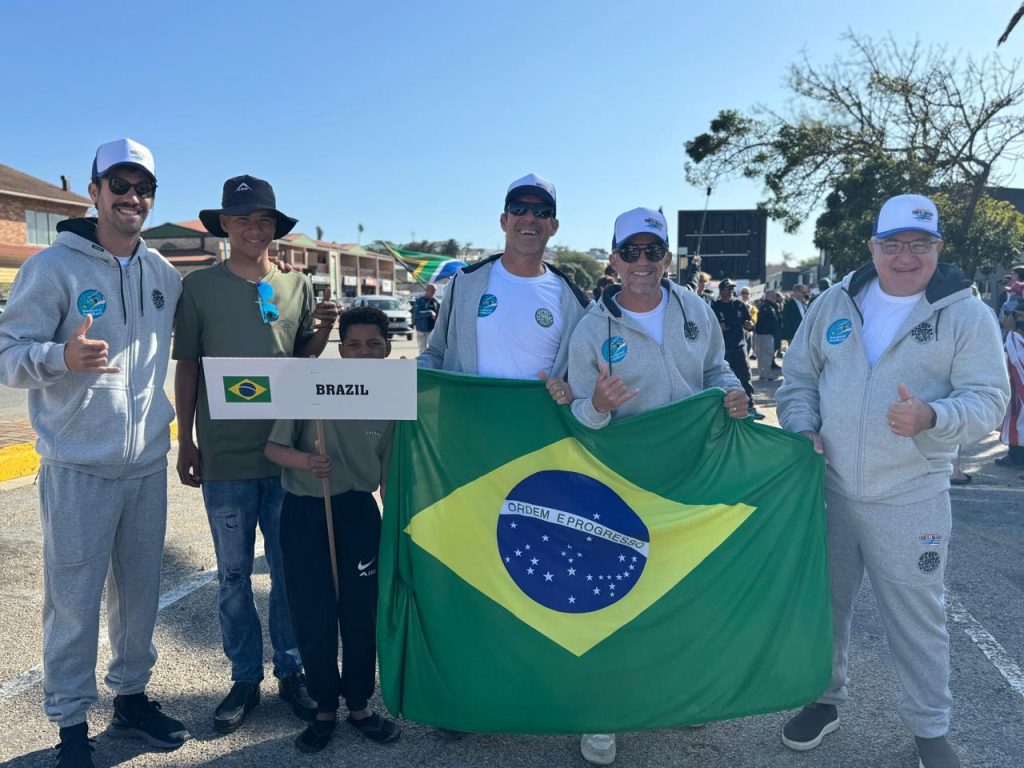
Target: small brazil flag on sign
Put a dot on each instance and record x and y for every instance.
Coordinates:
(247, 389)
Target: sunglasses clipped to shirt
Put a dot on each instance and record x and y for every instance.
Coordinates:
(265, 292)
(121, 187)
(540, 210)
(632, 253)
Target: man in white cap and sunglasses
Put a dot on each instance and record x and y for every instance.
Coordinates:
(510, 316)
(244, 307)
(645, 343)
(888, 373)
(87, 331)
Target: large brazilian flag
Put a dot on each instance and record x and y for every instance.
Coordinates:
(538, 576)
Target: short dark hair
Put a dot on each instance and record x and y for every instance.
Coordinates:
(362, 316)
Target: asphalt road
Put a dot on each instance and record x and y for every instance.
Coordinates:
(986, 593)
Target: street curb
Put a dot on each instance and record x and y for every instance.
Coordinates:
(21, 459)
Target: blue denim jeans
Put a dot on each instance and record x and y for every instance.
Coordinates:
(234, 508)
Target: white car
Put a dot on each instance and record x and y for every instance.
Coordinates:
(399, 316)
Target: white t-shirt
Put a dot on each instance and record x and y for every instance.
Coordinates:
(883, 315)
(124, 260)
(518, 324)
(653, 322)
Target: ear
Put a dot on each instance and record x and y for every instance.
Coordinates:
(938, 252)
(223, 222)
(94, 192)
(504, 222)
(554, 226)
(387, 348)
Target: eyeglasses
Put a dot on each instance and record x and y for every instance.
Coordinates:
(918, 247)
(265, 292)
(120, 187)
(540, 210)
(632, 253)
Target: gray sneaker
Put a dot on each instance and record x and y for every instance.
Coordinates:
(810, 725)
(936, 753)
(598, 748)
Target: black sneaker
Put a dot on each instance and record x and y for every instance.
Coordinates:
(75, 748)
(755, 414)
(936, 753)
(292, 690)
(810, 725)
(240, 701)
(137, 717)
(376, 728)
(316, 735)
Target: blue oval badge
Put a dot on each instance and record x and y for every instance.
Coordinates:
(488, 303)
(839, 331)
(570, 542)
(92, 303)
(614, 350)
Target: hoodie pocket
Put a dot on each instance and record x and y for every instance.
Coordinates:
(97, 433)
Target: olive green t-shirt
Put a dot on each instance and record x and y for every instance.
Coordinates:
(218, 317)
(360, 454)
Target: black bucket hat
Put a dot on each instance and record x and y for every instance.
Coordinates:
(242, 195)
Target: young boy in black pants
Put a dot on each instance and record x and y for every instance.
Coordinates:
(356, 461)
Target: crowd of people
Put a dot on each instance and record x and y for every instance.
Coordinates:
(870, 381)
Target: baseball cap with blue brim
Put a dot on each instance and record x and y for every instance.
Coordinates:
(640, 221)
(122, 152)
(531, 184)
(908, 213)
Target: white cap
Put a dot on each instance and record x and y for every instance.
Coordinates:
(907, 213)
(640, 221)
(531, 184)
(123, 152)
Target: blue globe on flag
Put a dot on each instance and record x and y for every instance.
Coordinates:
(570, 542)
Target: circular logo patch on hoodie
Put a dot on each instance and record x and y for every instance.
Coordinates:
(929, 562)
(922, 333)
(839, 331)
(158, 299)
(614, 350)
(92, 303)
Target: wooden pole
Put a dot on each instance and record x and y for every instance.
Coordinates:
(321, 448)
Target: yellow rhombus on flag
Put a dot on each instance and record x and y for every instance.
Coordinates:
(460, 531)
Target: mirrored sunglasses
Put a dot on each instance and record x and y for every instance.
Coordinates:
(540, 210)
(632, 253)
(268, 312)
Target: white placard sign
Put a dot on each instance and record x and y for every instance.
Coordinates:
(310, 388)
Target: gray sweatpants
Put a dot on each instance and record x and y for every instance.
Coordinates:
(97, 530)
(903, 549)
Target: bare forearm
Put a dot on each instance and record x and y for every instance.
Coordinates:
(316, 344)
(186, 395)
(286, 456)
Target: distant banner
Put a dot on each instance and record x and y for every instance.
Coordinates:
(308, 388)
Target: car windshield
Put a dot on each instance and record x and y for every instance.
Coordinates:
(384, 303)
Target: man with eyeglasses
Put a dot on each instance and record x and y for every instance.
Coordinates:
(510, 316)
(244, 307)
(87, 331)
(645, 343)
(888, 374)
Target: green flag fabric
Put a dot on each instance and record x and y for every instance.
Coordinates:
(538, 576)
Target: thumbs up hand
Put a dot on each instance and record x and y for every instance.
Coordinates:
(85, 355)
(909, 415)
(326, 312)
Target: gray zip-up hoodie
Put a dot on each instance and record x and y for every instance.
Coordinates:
(691, 360)
(947, 353)
(452, 343)
(114, 425)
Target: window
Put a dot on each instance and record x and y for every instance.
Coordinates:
(41, 227)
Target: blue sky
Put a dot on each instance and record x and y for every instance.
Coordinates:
(413, 117)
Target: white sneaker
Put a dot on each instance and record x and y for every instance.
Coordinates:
(598, 748)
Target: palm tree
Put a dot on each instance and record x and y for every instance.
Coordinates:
(1012, 24)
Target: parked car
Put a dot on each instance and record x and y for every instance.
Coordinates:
(399, 316)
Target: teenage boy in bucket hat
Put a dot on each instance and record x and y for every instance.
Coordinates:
(510, 316)
(887, 392)
(87, 331)
(244, 307)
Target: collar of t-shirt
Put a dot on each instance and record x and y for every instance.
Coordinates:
(519, 324)
(883, 315)
(653, 322)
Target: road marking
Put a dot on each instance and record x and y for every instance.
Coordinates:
(30, 677)
(993, 650)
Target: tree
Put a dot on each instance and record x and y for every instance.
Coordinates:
(580, 264)
(882, 120)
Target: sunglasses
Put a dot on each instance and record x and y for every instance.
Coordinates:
(540, 210)
(265, 292)
(120, 187)
(632, 253)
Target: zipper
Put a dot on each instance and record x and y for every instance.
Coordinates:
(129, 368)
